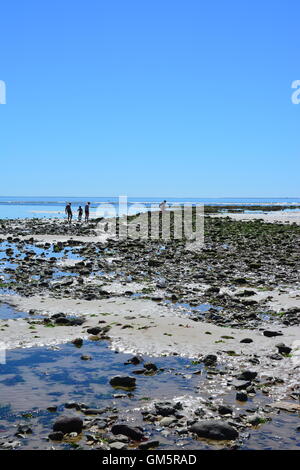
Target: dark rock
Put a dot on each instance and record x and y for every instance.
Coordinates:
(94, 411)
(24, 429)
(224, 410)
(246, 340)
(94, 331)
(247, 375)
(72, 404)
(241, 396)
(150, 366)
(133, 433)
(217, 430)
(78, 342)
(241, 384)
(210, 360)
(283, 349)
(270, 334)
(52, 408)
(276, 357)
(67, 424)
(134, 360)
(122, 381)
(56, 436)
(167, 408)
(149, 445)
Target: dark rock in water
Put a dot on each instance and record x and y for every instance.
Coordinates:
(241, 384)
(254, 420)
(139, 371)
(24, 429)
(94, 411)
(133, 433)
(270, 334)
(216, 430)
(72, 404)
(86, 357)
(52, 408)
(78, 342)
(94, 331)
(58, 315)
(56, 436)
(134, 360)
(150, 366)
(246, 340)
(69, 424)
(283, 349)
(122, 381)
(149, 445)
(224, 410)
(241, 396)
(167, 408)
(247, 375)
(210, 360)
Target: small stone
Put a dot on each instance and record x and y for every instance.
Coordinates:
(117, 445)
(241, 396)
(246, 340)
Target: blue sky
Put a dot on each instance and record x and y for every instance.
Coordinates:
(184, 98)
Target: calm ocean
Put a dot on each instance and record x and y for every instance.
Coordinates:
(49, 207)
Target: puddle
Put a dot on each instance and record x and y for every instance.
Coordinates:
(35, 379)
(8, 312)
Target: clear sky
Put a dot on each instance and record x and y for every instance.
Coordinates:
(158, 98)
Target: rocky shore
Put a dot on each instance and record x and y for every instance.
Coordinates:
(223, 321)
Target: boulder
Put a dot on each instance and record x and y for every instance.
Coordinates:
(211, 429)
(67, 424)
(129, 431)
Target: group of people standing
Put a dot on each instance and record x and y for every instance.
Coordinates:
(68, 211)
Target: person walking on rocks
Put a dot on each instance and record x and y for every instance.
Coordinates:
(87, 211)
(68, 211)
(80, 212)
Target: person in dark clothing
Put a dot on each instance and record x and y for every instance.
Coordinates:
(68, 211)
(87, 211)
(80, 212)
